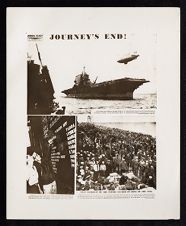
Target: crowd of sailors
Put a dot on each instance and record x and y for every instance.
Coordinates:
(114, 159)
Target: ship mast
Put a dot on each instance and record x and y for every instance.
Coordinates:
(29, 57)
(39, 56)
(95, 80)
(83, 70)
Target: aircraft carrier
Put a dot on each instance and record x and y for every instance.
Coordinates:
(118, 89)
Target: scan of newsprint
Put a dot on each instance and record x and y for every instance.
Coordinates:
(93, 127)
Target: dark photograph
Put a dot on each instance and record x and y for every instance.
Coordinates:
(50, 159)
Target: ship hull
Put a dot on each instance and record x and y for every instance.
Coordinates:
(120, 89)
(125, 96)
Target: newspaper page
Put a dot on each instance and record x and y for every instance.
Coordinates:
(93, 113)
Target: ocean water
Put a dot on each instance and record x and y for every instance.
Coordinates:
(85, 106)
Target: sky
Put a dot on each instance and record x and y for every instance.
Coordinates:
(66, 58)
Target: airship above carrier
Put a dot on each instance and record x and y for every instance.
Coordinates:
(128, 58)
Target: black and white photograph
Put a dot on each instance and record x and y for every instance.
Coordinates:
(116, 156)
(50, 157)
(93, 113)
(80, 73)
